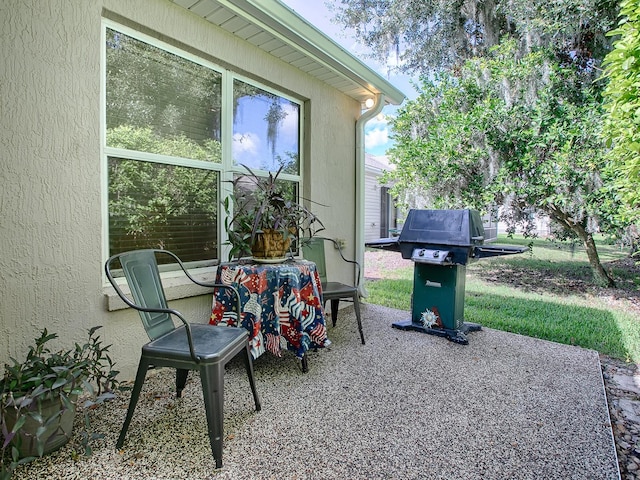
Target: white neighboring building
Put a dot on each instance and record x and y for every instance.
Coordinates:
(380, 211)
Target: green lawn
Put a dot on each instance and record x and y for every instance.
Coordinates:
(547, 293)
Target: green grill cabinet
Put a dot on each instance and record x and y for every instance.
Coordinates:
(441, 290)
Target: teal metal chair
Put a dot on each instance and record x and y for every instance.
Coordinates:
(313, 250)
(189, 346)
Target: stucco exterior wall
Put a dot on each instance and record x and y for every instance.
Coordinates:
(51, 221)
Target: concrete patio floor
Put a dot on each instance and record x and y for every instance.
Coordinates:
(404, 406)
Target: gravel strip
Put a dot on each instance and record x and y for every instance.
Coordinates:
(404, 406)
(622, 382)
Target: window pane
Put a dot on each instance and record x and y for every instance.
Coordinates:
(152, 205)
(265, 129)
(158, 102)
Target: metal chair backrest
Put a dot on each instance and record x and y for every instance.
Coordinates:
(313, 250)
(140, 268)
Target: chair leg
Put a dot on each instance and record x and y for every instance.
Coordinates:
(212, 377)
(335, 302)
(248, 362)
(356, 307)
(181, 381)
(135, 394)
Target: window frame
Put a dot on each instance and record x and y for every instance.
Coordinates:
(226, 168)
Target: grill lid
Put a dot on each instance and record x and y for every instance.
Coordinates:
(443, 227)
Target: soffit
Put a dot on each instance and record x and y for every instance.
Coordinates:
(278, 30)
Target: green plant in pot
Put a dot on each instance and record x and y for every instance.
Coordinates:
(39, 395)
(266, 216)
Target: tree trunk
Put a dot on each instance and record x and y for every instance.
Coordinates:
(594, 259)
(599, 272)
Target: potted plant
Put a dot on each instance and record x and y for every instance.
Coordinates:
(39, 395)
(266, 216)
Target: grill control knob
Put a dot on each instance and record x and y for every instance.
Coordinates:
(436, 254)
(421, 254)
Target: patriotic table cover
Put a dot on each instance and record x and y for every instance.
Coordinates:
(281, 303)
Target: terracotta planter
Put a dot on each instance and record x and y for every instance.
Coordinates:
(270, 245)
(55, 435)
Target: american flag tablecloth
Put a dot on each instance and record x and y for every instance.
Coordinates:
(281, 304)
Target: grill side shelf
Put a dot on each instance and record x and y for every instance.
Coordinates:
(390, 243)
(485, 251)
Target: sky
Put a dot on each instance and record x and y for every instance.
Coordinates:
(376, 130)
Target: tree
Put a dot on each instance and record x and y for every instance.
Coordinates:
(622, 127)
(440, 149)
(486, 134)
(520, 131)
(432, 35)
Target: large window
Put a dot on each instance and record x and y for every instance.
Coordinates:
(165, 133)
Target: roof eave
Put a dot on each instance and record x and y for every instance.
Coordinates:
(288, 25)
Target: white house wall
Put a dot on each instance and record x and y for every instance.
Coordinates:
(372, 206)
(51, 240)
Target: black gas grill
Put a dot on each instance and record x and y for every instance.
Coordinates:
(441, 243)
